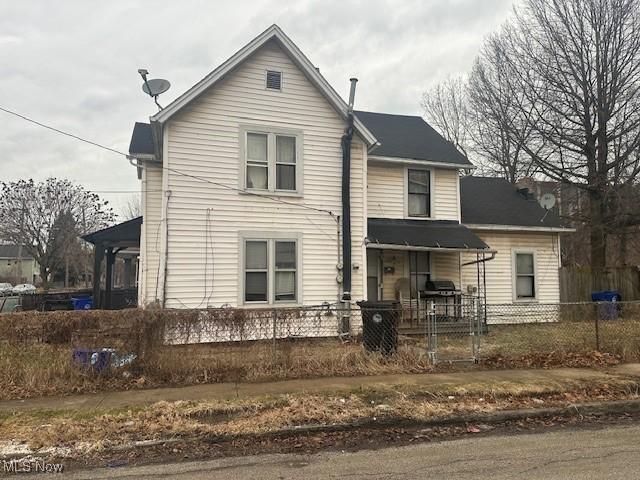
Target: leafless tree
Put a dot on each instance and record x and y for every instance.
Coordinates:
(474, 114)
(47, 217)
(445, 106)
(132, 208)
(493, 115)
(576, 64)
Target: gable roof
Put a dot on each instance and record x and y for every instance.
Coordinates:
(495, 201)
(410, 137)
(141, 140)
(11, 251)
(274, 32)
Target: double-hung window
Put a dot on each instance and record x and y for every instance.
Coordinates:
(525, 276)
(271, 270)
(418, 193)
(272, 161)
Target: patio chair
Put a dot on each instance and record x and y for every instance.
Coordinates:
(410, 307)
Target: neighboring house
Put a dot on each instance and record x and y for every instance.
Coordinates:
(17, 266)
(244, 197)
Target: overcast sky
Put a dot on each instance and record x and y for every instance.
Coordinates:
(73, 65)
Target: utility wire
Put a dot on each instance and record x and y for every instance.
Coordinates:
(174, 170)
(60, 131)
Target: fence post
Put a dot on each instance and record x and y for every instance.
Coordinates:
(598, 307)
(274, 319)
(432, 347)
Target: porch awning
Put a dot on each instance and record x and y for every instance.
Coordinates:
(123, 235)
(435, 235)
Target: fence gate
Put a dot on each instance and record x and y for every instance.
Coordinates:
(454, 331)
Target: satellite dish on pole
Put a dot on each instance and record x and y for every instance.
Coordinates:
(155, 86)
(548, 201)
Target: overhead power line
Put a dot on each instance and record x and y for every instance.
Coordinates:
(31, 120)
(174, 170)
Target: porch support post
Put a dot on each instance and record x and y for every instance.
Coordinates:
(127, 272)
(109, 278)
(98, 255)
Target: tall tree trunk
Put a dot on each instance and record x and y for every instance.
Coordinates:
(598, 234)
(44, 277)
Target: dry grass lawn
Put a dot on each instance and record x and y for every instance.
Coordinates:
(103, 430)
(40, 369)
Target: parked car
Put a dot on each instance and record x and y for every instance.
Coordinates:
(10, 304)
(5, 288)
(24, 289)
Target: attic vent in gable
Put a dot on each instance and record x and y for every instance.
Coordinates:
(274, 80)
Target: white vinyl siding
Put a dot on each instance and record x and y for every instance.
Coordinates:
(500, 271)
(386, 192)
(203, 140)
(150, 234)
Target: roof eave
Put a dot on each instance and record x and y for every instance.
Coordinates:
(518, 228)
(416, 161)
(273, 32)
(391, 246)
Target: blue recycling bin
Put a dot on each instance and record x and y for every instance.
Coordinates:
(82, 303)
(608, 307)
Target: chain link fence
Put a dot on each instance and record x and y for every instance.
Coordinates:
(232, 344)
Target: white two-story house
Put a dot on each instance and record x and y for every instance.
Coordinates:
(248, 176)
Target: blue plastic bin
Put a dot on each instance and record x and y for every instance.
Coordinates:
(82, 303)
(96, 360)
(608, 308)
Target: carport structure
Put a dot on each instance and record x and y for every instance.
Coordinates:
(107, 244)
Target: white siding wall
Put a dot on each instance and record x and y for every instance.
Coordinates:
(499, 271)
(385, 192)
(446, 266)
(203, 140)
(151, 234)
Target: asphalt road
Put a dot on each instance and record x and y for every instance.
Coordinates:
(610, 452)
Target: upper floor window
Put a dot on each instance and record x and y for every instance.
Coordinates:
(418, 193)
(272, 161)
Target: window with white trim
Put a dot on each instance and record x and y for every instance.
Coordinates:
(270, 270)
(418, 193)
(525, 276)
(272, 161)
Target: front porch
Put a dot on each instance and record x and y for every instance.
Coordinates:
(428, 267)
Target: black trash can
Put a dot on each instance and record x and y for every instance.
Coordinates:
(380, 326)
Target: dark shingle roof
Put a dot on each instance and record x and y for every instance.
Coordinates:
(126, 233)
(422, 233)
(141, 139)
(11, 251)
(411, 137)
(495, 201)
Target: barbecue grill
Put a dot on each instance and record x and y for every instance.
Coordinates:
(440, 288)
(445, 295)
